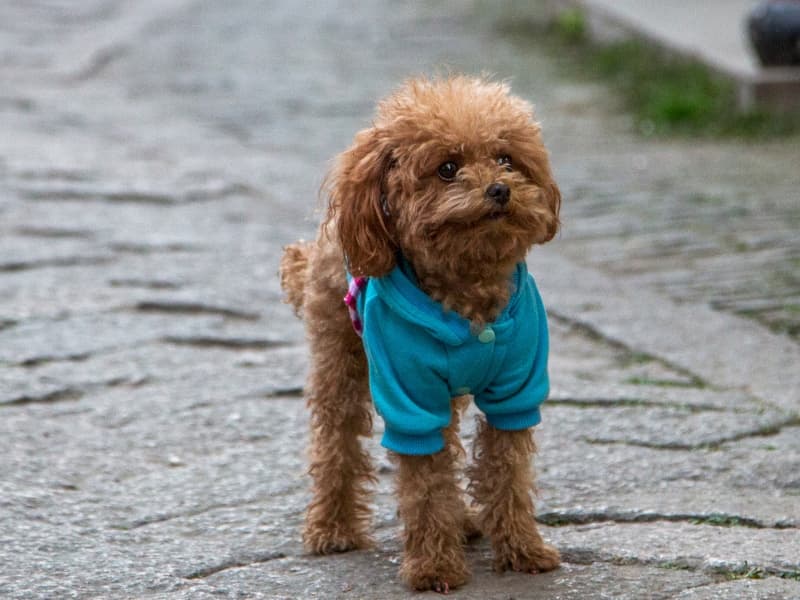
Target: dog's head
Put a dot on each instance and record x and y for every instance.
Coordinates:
(452, 170)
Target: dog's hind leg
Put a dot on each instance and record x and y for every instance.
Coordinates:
(501, 483)
(338, 516)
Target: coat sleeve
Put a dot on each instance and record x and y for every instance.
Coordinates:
(406, 380)
(513, 399)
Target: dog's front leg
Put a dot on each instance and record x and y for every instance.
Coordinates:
(432, 508)
(501, 483)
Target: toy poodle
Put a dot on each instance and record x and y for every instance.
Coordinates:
(430, 214)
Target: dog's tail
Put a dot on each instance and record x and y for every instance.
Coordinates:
(294, 273)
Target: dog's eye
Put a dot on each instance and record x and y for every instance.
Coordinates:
(447, 171)
(505, 161)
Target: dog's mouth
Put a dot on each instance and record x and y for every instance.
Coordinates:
(476, 216)
(496, 214)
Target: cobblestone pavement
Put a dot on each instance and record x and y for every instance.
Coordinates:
(154, 158)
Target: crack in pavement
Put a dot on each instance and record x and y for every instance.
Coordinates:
(53, 174)
(112, 39)
(231, 343)
(150, 284)
(37, 361)
(170, 516)
(99, 61)
(7, 324)
(73, 392)
(59, 395)
(592, 332)
(193, 308)
(66, 261)
(234, 563)
(54, 232)
(293, 392)
(154, 198)
(147, 249)
(587, 556)
(72, 194)
(567, 518)
(763, 431)
(625, 402)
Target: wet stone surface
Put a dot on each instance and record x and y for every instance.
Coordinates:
(155, 158)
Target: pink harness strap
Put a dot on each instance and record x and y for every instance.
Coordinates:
(356, 285)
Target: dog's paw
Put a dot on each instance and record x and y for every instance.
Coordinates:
(440, 578)
(319, 540)
(439, 584)
(530, 558)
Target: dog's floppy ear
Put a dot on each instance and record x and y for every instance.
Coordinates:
(357, 207)
(532, 154)
(552, 197)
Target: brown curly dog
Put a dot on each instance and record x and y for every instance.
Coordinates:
(446, 192)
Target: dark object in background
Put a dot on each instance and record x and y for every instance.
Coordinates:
(774, 28)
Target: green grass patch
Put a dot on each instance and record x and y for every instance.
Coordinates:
(793, 308)
(701, 198)
(675, 566)
(753, 572)
(570, 25)
(668, 95)
(637, 358)
(674, 95)
(786, 324)
(748, 573)
(719, 521)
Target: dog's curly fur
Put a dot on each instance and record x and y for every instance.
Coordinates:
(386, 198)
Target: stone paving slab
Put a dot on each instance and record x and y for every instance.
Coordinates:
(772, 589)
(719, 349)
(573, 582)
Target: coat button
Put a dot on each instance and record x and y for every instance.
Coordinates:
(486, 336)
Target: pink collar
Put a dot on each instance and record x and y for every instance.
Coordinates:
(356, 285)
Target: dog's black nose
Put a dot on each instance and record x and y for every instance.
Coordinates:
(499, 193)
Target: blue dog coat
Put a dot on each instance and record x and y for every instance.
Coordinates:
(420, 356)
